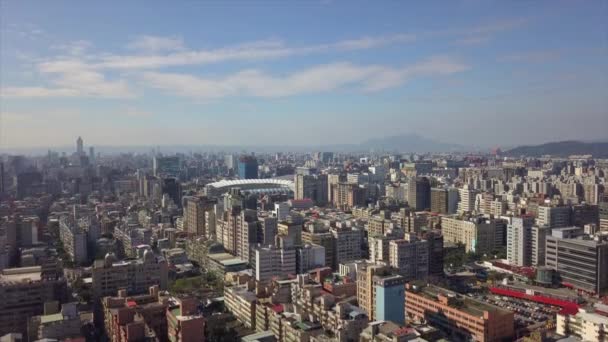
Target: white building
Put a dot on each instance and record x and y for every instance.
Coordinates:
(584, 325)
(274, 262)
(519, 241)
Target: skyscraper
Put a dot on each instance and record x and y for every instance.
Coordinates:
(248, 167)
(419, 193)
(79, 147)
(519, 241)
(312, 187)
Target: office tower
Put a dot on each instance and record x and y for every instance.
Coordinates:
(2, 179)
(467, 199)
(583, 214)
(230, 162)
(274, 262)
(434, 239)
(419, 193)
(248, 167)
(453, 200)
(91, 154)
(266, 230)
(439, 200)
(410, 258)
(281, 210)
(195, 209)
(459, 317)
(346, 196)
(478, 234)
(309, 257)
(291, 231)
(166, 166)
(79, 147)
(539, 243)
(312, 187)
(347, 245)
(554, 217)
(136, 275)
(390, 296)
(173, 189)
(519, 241)
(332, 180)
(581, 263)
(24, 291)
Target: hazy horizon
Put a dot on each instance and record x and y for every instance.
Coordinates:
(468, 72)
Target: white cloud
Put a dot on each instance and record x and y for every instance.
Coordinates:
(156, 43)
(317, 79)
(531, 57)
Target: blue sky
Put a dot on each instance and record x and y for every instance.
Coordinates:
(471, 72)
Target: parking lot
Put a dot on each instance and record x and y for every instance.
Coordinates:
(527, 313)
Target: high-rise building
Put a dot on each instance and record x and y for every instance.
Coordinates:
(581, 263)
(347, 245)
(312, 187)
(195, 209)
(309, 257)
(166, 166)
(172, 187)
(519, 241)
(583, 214)
(321, 238)
(346, 196)
(538, 245)
(419, 193)
(467, 199)
(248, 167)
(390, 296)
(274, 262)
(439, 200)
(79, 147)
(434, 240)
(478, 234)
(554, 217)
(91, 154)
(410, 258)
(366, 291)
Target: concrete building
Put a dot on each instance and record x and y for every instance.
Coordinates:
(439, 200)
(519, 241)
(135, 318)
(274, 262)
(419, 193)
(434, 239)
(281, 211)
(60, 325)
(195, 209)
(345, 196)
(603, 215)
(410, 258)
(24, 291)
(347, 245)
(242, 304)
(390, 296)
(312, 187)
(554, 217)
(587, 326)
(538, 245)
(478, 234)
(460, 317)
(110, 275)
(309, 257)
(580, 262)
(184, 322)
(74, 239)
(467, 197)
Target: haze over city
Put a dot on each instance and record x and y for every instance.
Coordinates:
(473, 73)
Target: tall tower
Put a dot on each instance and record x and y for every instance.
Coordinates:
(79, 147)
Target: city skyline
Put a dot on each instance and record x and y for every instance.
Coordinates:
(469, 73)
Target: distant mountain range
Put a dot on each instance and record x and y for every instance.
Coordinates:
(562, 149)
